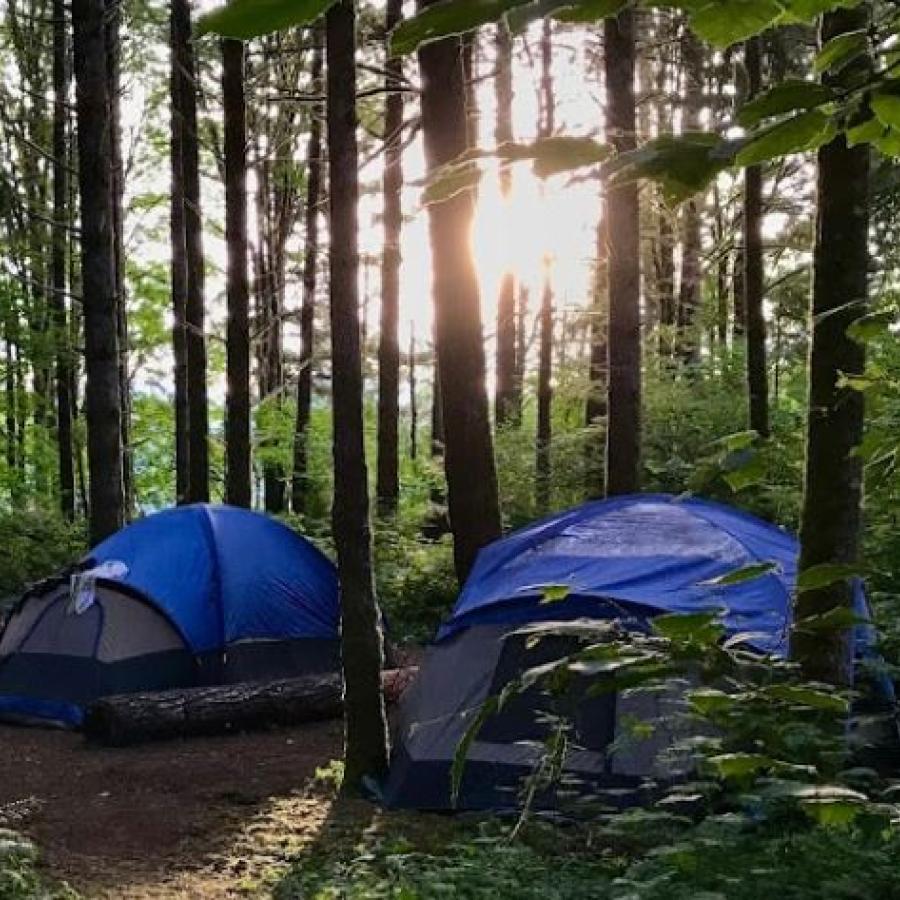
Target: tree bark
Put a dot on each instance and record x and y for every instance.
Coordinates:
(830, 518)
(413, 398)
(59, 262)
(598, 372)
(104, 426)
(198, 414)
(688, 345)
(623, 440)
(544, 398)
(469, 454)
(113, 73)
(127, 719)
(299, 482)
(366, 741)
(506, 409)
(388, 476)
(757, 378)
(238, 487)
(179, 275)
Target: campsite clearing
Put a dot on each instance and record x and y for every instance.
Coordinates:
(204, 818)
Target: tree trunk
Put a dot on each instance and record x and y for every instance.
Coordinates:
(413, 399)
(104, 427)
(238, 488)
(505, 407)
(361, 638)
(690, 282)
(179, 257)
(59, 262)
(299, 484)
(544, 398)
(388, 477)
(469, 454)
(113, 73)
(623, 436)
(598, 372)
(198, 415)
(830, 518)
(757, 378)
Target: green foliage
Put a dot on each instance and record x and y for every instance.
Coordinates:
(246, 19)
(36, 544)
(19, 875)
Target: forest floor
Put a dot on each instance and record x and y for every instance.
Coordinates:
(206, 818)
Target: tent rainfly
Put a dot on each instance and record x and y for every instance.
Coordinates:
(197, 595)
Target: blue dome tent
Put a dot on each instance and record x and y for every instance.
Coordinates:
(629, 559)
(193, 595)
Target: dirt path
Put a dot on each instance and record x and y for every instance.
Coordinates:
(204, 819)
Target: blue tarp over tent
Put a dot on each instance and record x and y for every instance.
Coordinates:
(651, 554)
(224, 574)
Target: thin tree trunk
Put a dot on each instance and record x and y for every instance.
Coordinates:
(113, 73)
(198, 414)
(830, 518)
(437, 412)
(299, 482)
(104, 425)
(388, 476)
(690, 282)
(598, 373)
(59, 262)
(179, 258)
(545, 353)
(623, 439)
(362, 650)
(505, 407)
(757, 378)
(469, 454)
(413, 399)
(238, 487)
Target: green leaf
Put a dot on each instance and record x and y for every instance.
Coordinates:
(865, 132)
(750, 470)
(554, 593)
(682, 166)
(871, 326)
(841, 50)
(707, 701)
(809, 697)
(554, 155)
(799, 134)
(789, 96)
(809, 10)
(832, 805)
(739, 765)
(589, 11)
(837, 619)
(742, 575)
(886, 107)
(445, 19)
(451, 180)
(889, 143)
(700, 627)
(739, 440)
(825, 575)
(245, 19)
(725, 22)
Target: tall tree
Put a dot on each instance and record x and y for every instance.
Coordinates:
(690, 283)
(59, 262)
(545, 354)
(623, 441)
(596, 404)
(830, 518)
(103, 410)
(388, 478)
(506, 402)
(238, 488)
(469, 454)
(413, 397)
(361, 638)
(757, 379)
(299, 485)
(194, 314)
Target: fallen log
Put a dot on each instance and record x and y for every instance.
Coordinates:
(118, 721)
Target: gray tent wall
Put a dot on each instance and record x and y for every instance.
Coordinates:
(461, 672)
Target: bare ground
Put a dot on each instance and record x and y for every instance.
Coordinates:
(206, 818)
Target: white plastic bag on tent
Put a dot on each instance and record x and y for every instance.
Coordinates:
(82, 586)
